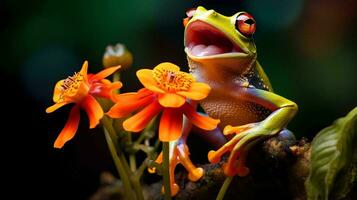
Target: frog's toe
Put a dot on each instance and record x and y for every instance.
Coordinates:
(231, 166)
(236, 164)
(229, 170)
(243, 171)
(235, 169)
(237, 129)
(174, 189)
(195, 174)
(213, 157)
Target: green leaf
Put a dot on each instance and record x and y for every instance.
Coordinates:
(333, 158)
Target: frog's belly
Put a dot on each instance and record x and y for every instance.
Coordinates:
(233, 111)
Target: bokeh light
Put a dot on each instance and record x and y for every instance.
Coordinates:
(275, 15)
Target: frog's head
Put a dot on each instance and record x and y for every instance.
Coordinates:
(215, 39)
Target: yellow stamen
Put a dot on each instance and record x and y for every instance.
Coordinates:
(172, 80)
(70, 86)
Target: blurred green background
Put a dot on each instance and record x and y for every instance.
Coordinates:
(307, 48)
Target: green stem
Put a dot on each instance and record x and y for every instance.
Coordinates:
(166, 169)
(142, 168)
(107, 124)
(132, 160)
(118, 164)
(156, 145)
(125, 172)
(146, 149)
(125, 163)
(141, 138)
(224, 188)
(116, 77)
(135, 181)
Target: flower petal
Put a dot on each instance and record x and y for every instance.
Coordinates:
(146, 77)
(144, 92)
(57, 91)
(171, 100)
(103, 74)
(69, 129)
(123, 107)
(93, 109)
(105, 81)
(168, 66)
(132, 96)
(56, 106)
(170, 128)
(203, 122)
(84, 68)
(138, 122)
(84, 72)
(105, 90)
(197, 91)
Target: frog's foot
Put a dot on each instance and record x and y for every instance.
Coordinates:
(215, 156)
(246, 137)
(179, 154)
(236, 163)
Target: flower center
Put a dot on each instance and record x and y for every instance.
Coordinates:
(70, 86)
(172, 81)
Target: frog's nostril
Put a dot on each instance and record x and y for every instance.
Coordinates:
(211, 13)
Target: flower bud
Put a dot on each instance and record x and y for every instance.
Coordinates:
(117, 55)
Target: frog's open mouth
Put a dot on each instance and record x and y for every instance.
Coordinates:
(203, 39)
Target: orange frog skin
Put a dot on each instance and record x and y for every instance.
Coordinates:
(221, 52)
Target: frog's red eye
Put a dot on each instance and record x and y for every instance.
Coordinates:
(189, 13)
(245, 24)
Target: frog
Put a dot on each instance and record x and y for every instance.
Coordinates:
(221, 52)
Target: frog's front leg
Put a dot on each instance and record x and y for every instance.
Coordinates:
(283, 110)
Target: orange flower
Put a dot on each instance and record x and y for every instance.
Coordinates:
(80, 89)
(166, 89)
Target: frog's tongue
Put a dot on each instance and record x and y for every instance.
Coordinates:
(203, 39)
(206, 50)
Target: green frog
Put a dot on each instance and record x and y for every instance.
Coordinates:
(221, 52)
